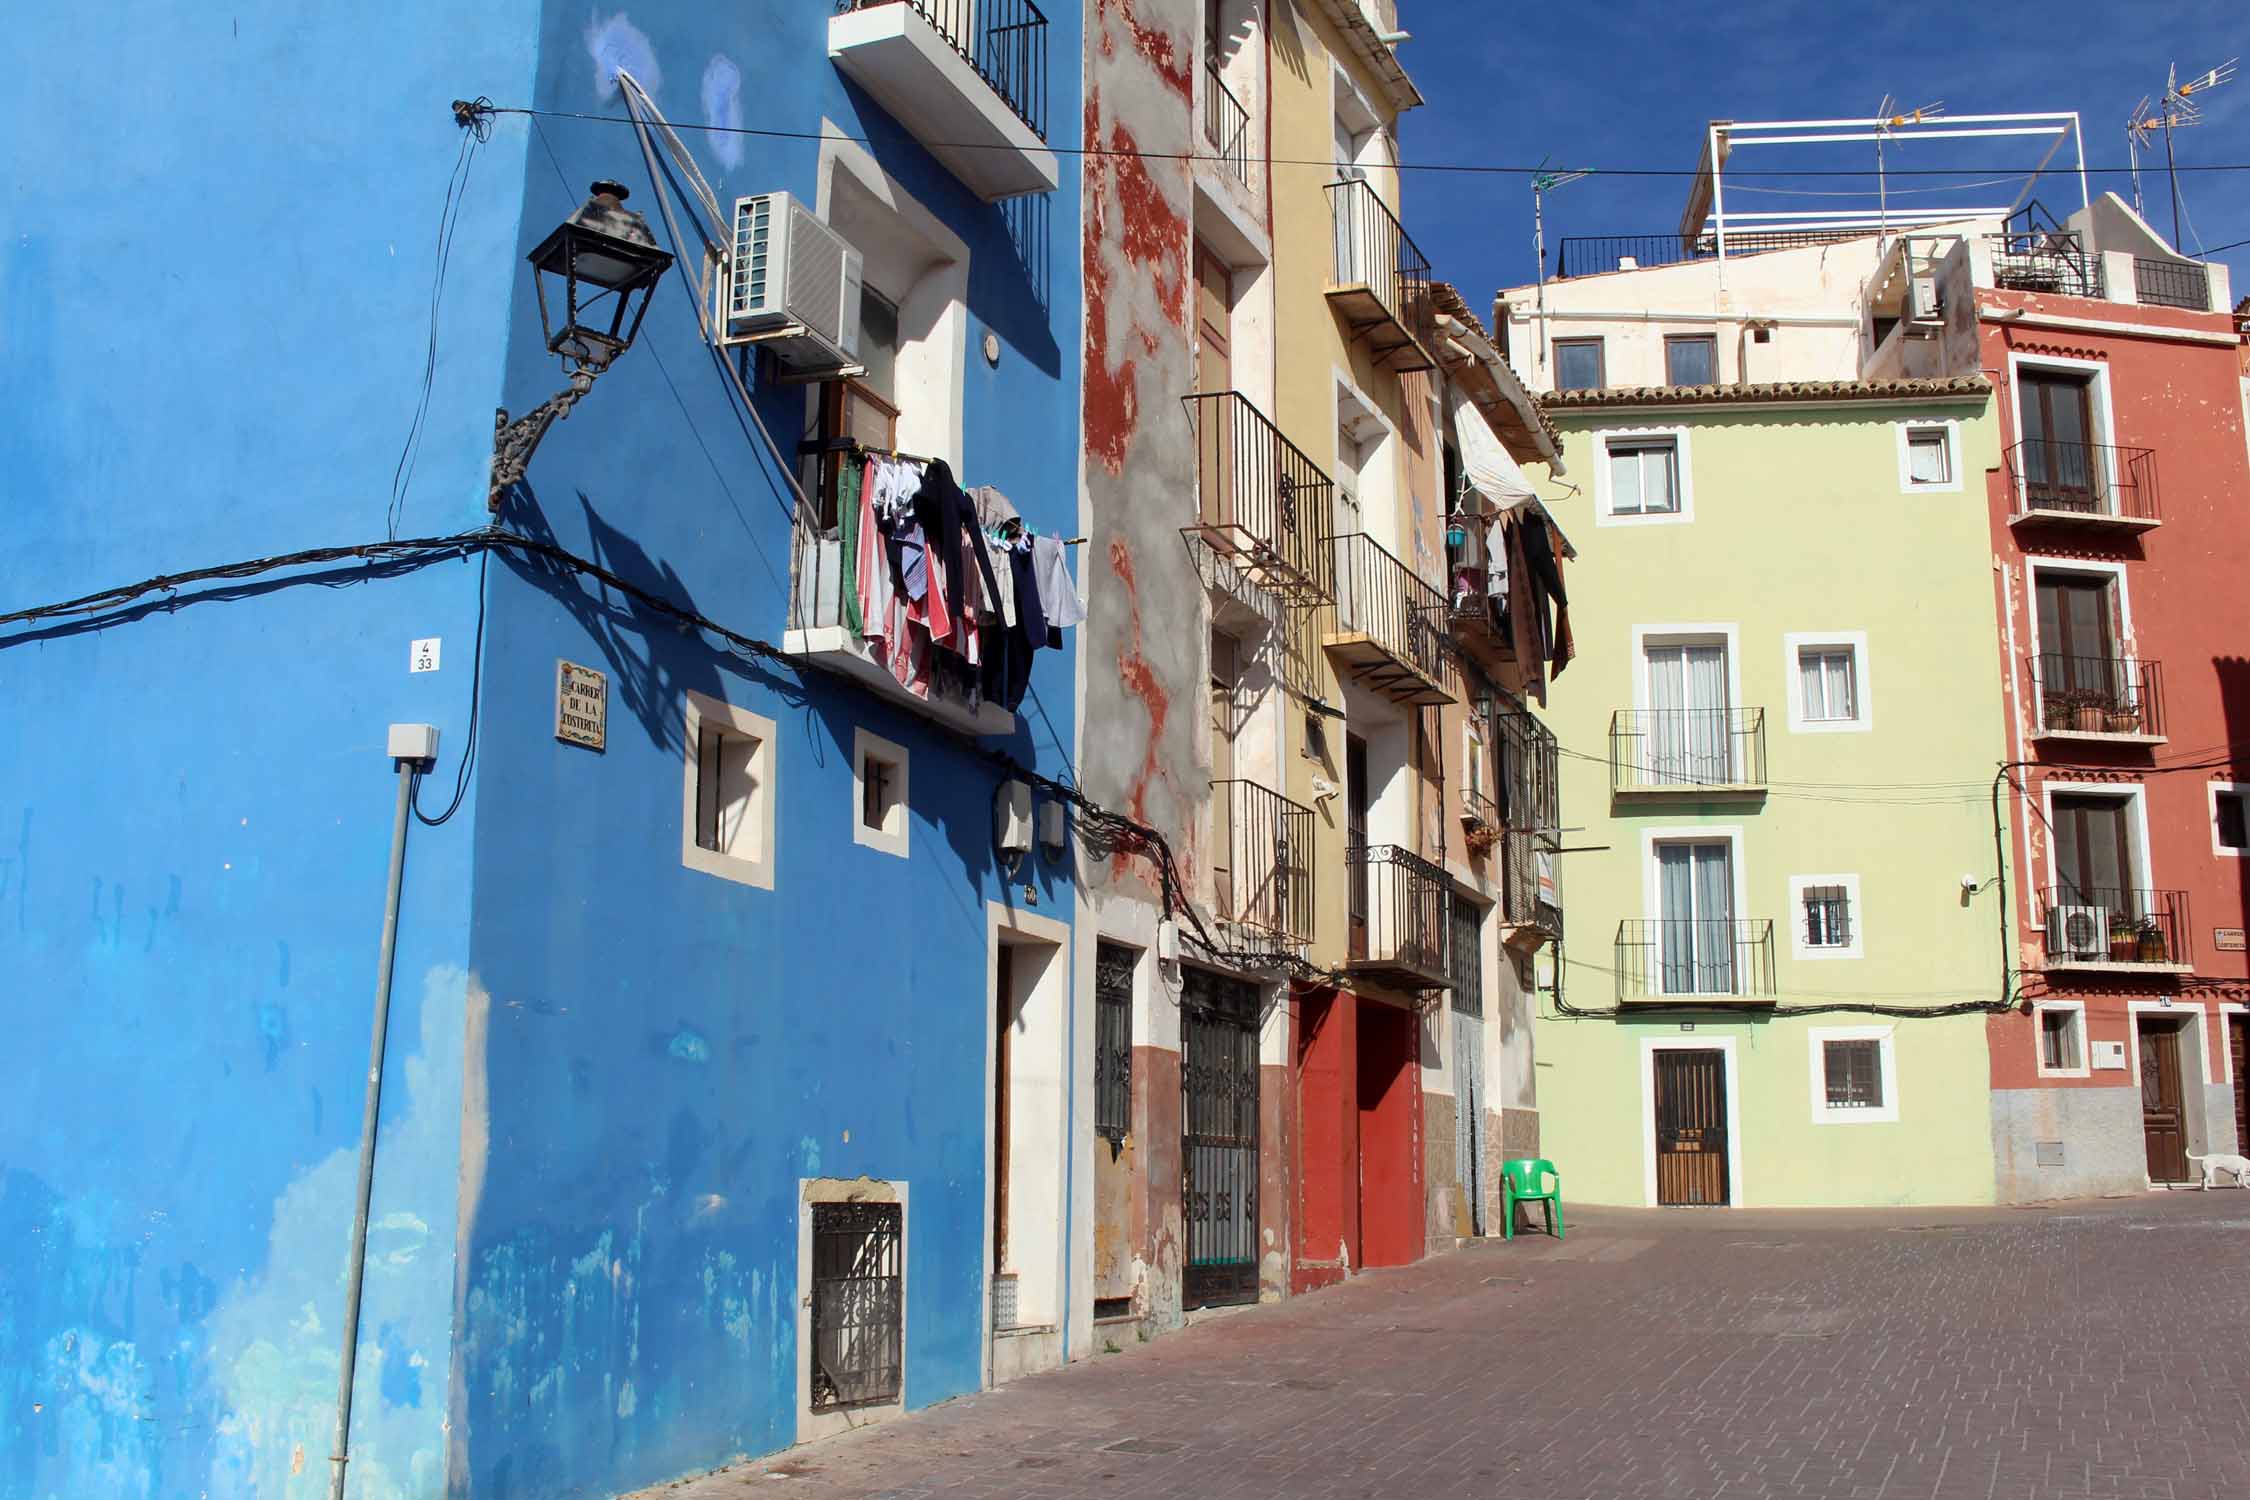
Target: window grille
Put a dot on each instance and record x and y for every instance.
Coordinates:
(858, 1281)
(1113, 1040)
(1855, 1074)
(1828, 920)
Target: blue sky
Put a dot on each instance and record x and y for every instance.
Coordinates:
(1631, 83)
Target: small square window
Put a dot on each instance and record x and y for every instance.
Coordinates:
(1854, 1072)
(1830, 684)
(1828, 917)
(879, 806)
(1578, 365)
(2233, 824)
(1691, 359)
(727, 815)
(2061, 1048)
(1644, 476)
(1929, 456)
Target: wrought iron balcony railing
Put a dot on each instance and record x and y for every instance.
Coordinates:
(1261, 860)
(1530, 769)
(1004, 40)
(2099, 483)
(1390, 625)
(2098, 694)
(1380, 277)
(1397, 909)
(1226, 124)
(1686, 957)
(2089, 926)
(1529, 896)
(2172, 283)
(1592, 254)
(2045, 260)
(1679, 749)
(1261, 503)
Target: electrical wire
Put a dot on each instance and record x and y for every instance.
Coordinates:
(475, 119)
(469, 742)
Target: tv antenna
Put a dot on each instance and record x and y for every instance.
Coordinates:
(1544, 182)
(2177, 109)
(1889, 118)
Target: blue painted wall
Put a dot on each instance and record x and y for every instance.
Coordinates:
(667, 1053)
(216, 283)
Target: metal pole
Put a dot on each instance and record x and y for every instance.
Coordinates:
(2172, 170)
(356, 1274)
(1539, 251)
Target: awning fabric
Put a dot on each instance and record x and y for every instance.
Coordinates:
(1484, 461)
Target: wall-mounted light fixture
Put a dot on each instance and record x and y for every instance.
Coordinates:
(603, 265)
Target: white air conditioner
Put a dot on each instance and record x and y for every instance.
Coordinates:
(2080, 932)
(792, 285)
(1922, 301)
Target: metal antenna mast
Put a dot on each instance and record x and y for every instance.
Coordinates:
(1888, 121)
(1542, 183)
(2179, 109)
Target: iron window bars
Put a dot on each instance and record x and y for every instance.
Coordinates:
(2098, 694)
(1004, 40)
(1113, 1040)
(858, 1302)
(1854, 1070)
(1828, 916)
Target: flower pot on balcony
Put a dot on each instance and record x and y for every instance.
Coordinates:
(2124, 942)
(2149, 945)
(2091, 719)
(2060, 713)
(2122, 721)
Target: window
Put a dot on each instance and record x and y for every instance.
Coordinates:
(1691, 359)
(1687, 733)
(2091, 838)
(1825, 676)
(880, 812)
(1114, 964)
(1644, 477)
(1929, 458)
(2063, 466)
(2084, 680)
(727, 816)
(1854, 1075)
(1578, 365)
(1828, 917)
(2230, 818)
(2061, 1047)
(858, 1304)
(1696, 930)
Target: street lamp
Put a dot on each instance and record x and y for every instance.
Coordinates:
(604, 265)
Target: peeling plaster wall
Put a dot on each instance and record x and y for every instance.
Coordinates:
(195, 802)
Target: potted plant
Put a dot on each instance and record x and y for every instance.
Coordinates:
(2060, 712)
(2092, 718)
(2122, 718)
(2149, 946)
(2124, 938)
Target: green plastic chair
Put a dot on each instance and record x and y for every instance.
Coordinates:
(1530, 1179)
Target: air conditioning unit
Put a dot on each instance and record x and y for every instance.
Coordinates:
(1922, 301)
(792, 285)
(2080, 932)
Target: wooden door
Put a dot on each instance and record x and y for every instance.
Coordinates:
(1214, 374)
(2093, 854)
(1691, 1127)
(2062, 469)
(1355, 839)
(2238, 1047)
(2163, 1120)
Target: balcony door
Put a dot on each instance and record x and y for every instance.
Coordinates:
(1687, 740)
(1214, 373)
(2078, 657)
(1226, 718)
(2061, 466)
(2093, 849)
(1355, 841)
(1695, 897)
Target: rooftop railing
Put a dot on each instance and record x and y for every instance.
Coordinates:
(2172, 283)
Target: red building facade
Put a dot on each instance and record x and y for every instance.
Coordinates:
(2118, 526)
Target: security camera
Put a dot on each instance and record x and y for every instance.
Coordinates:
(1970, 884)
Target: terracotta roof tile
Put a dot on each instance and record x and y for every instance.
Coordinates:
(1769, 392)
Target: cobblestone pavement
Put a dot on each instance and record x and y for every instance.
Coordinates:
(2094, 1349)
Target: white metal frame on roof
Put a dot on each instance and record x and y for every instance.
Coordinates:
(1707, 211)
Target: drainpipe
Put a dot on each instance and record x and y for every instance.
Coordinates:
(412, 746)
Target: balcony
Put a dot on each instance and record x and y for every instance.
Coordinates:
(1397, 906)
(1261, 861)
(1692, 963)
(2085, 486)
(2108, 698)
(1261, 503)
(1379, 279)
(1481, 822)
(2172, 283)
(2054, 261)
(1530, 900)
(2116, 930)
(1226, 124)
(1594, 254)
(1389, 624)
(1700, 751)
(968, 78)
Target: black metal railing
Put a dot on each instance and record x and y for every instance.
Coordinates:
(1379, 597)
(2114, 925)
(1482, 815)
(1530, 770)
(2086, 479)
(2098, 694)
(1004, 40)
(858, 1304)
(1528, 894)
(1591, 254)
(1694, 956)
(1373, 251)
(2045, 260)
(1663, 749)
(1260, 499)
(1397, 908)
(1226, 124)
(1261, 860)
(2172, 283)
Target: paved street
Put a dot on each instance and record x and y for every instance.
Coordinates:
(2090, 1350)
